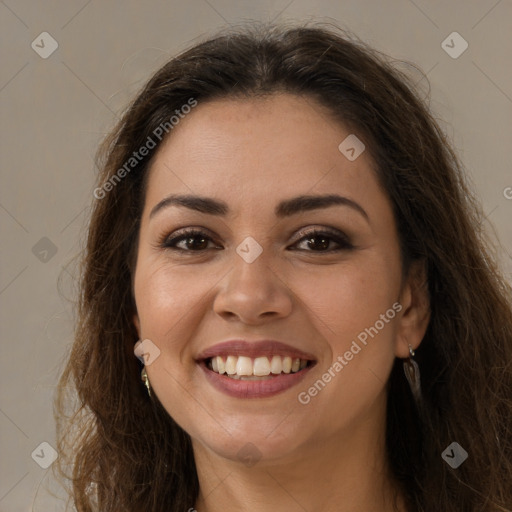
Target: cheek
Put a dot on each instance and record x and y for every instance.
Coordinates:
(169, 306)
(347, 299)
(352, 309)
(172, 301)
(166, 297)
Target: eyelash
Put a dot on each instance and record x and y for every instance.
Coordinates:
(337, 237)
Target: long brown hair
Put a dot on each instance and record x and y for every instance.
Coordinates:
(122, 451)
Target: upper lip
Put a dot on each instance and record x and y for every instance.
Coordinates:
(257, 348)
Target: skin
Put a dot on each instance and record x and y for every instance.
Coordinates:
(327, 455)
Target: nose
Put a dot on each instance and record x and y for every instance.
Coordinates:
(253, 293)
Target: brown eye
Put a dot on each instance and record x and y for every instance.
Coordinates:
(190, 240)
(321, 241)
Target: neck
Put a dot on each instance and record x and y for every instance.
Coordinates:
(341, 473)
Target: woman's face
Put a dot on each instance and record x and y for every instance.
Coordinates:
(256, 272)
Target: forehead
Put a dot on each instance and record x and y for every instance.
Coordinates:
(252, 150)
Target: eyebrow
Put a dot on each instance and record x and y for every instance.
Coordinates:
(286, 208)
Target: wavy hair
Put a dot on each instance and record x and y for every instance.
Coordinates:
(121, 450)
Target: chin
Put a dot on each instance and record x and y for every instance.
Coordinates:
(254, 440)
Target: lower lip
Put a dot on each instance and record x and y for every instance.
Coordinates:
(254, 388)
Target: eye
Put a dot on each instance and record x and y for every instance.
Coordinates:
(191, 240)
(317, 240)
(321, 239)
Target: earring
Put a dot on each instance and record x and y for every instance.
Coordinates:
(412, 373)
(145, 378)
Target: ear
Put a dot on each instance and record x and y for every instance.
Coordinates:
(415, 315)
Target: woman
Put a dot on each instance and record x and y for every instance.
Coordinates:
(283, 242)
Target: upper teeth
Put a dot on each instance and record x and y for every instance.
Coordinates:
(261, 366)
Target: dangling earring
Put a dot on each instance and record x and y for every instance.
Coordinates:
(145, 378)
(412, 373)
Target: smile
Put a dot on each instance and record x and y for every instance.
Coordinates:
(244, 381)
(259, 368)
(254, 369)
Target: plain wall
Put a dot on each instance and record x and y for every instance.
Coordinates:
(55, 110)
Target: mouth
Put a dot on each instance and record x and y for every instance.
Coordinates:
(254, 369)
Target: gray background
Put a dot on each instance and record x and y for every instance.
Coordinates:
(54, 111)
